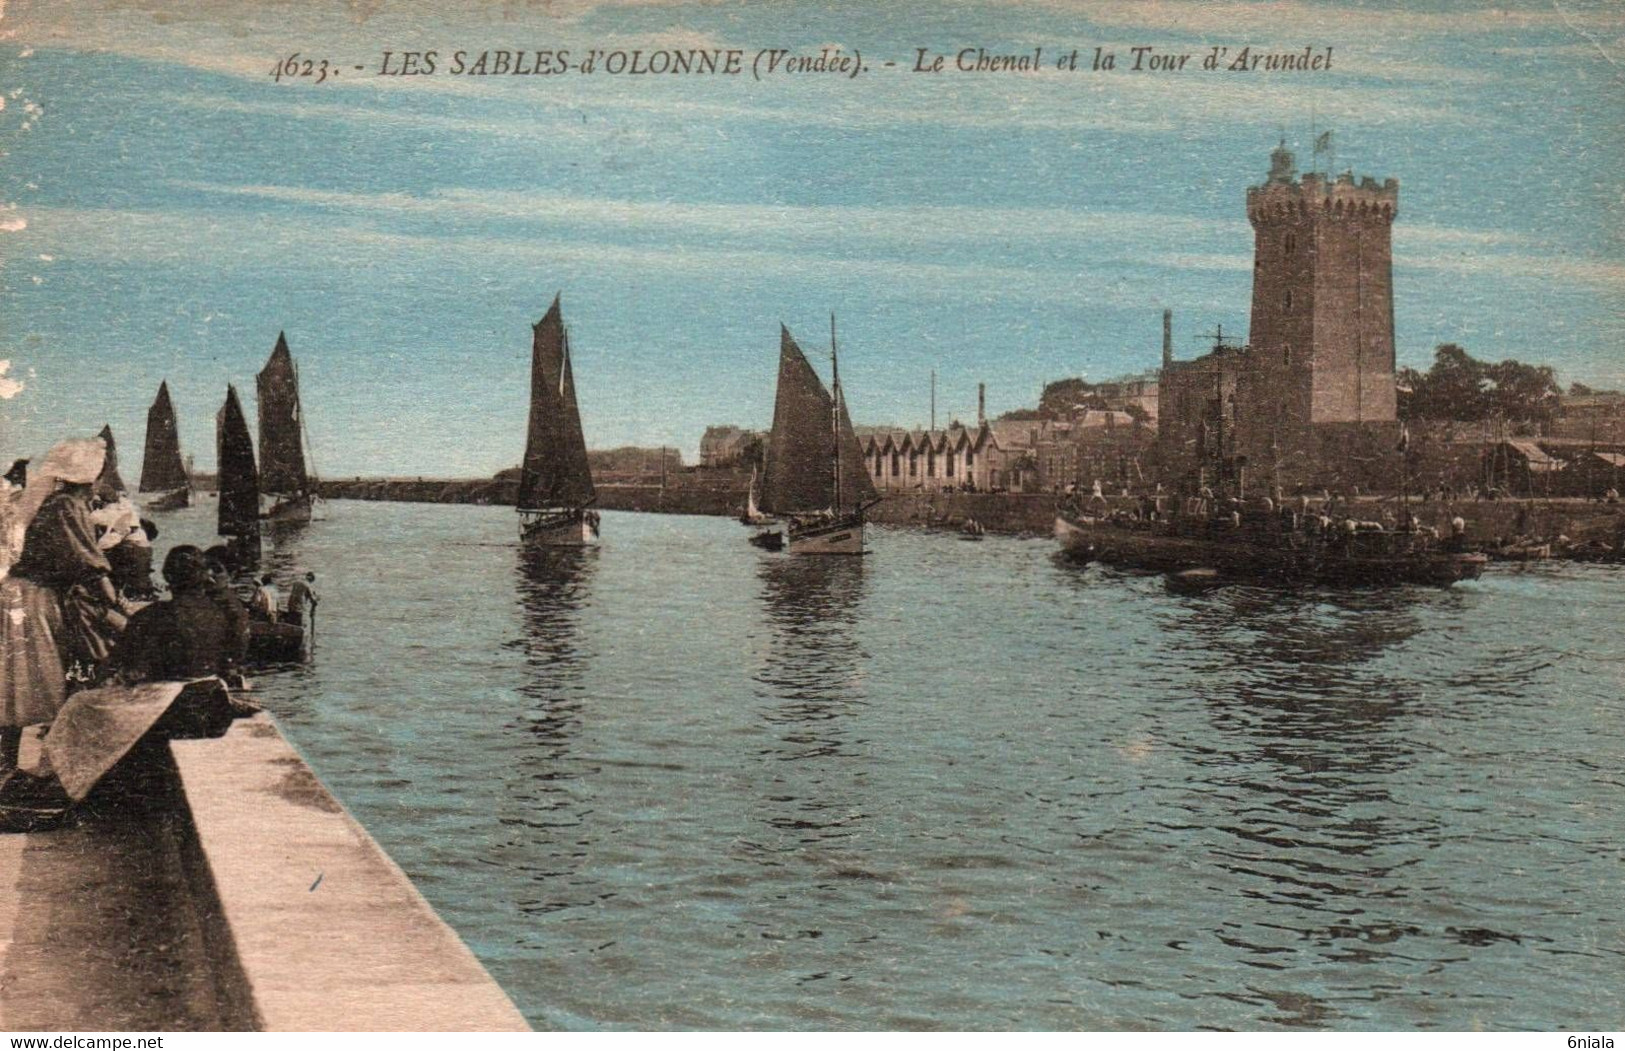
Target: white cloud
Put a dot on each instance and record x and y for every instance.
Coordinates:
(912, 224)
(1201, 261)
(1277, 20)
(170, 237)
(1605, 274)
(9, 388)
(1119, 234)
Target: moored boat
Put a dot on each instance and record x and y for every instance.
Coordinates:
(815, 477)
(768, 539)
(752, 514)
(1522, 551)
(556, 491)
(1268, 546)
(274, 642)
(162, 470)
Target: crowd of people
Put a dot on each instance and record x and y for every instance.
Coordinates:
(79, 612)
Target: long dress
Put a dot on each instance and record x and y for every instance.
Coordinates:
(46, 618)
(12, 525)
(169, 659)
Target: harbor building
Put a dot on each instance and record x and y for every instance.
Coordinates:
(1591, 416)
(725, 445)
(1020, 455)
(956, 457)
(1310, 398)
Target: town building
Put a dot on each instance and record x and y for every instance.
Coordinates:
(726, 445)
(630, 463)
(1015, 455)
(956, 457)
(1595, 416)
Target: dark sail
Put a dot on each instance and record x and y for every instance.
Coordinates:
(161, 467)
(282, 448)
(857, 486)
(799, 476)
(109, 485)
(554, 472)
(575, 440)
(239, 480)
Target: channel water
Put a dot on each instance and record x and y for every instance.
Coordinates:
(680, 783)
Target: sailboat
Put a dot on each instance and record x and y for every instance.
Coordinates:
(161, 468)
(815, 476)
(109, 486)
(238, 517)
(766, 536)
(555, 483)
(283, 474)
(752, 515)
(238, 514)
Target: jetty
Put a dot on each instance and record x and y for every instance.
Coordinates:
(224, 888)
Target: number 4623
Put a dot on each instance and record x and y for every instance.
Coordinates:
(294, 66)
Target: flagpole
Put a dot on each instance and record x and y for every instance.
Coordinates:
(1405, 475)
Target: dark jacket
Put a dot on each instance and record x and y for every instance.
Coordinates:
(193, 634)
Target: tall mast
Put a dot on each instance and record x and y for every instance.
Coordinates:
(564, 359)
(835, 409)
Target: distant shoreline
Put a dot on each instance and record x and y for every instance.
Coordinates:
(1489, 522)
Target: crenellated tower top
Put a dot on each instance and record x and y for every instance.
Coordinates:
(1285, 197)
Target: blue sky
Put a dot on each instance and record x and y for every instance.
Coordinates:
(166, 209)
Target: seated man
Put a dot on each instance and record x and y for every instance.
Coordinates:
(189, 635)
(265, 605)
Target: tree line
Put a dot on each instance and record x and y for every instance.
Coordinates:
(1458, 386)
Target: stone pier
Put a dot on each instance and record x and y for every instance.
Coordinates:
(218, 885)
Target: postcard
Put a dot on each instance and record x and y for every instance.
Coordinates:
(706, 515)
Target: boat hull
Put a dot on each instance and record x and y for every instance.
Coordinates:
(172, 501)
(1522, 553)
(840, 536)
(768, 540)
(563, 529)
(274, 643)
(1236, 558)
(295, 510)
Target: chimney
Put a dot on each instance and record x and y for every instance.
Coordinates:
(981, 405)
(1167, 338)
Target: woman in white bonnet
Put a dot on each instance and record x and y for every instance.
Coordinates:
(57, 605)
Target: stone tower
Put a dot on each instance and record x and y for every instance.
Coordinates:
(1322, 334)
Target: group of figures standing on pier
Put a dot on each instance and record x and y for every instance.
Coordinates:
(84, 647)
(84, 651)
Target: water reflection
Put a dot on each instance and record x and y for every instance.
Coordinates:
(544, 808)
(1311, 719)
(809, 687)
(814, 657)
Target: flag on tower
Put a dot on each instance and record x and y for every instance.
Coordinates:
(1323, 142)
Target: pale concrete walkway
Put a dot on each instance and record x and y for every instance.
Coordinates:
(95, 932)
(216, 884)
(328, 932)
